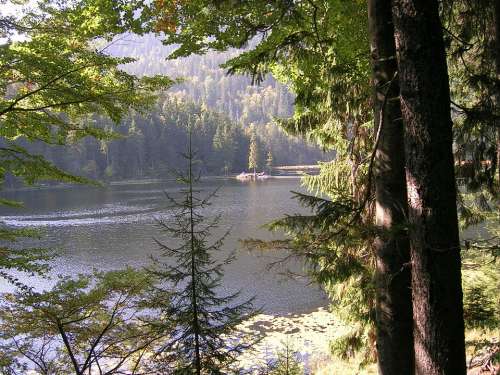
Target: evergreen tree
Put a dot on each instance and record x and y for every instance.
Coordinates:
(253, 152)
(286, 362)
(269, 161)
(433, 225)
(473, 41)
(320, 50)
(204, 339)
(394, 321)
(146, 142)
(298, 46)
(478, 308)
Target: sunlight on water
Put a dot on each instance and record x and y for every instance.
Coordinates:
(109, 228)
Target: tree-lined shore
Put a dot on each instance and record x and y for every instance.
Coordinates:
(404, 93)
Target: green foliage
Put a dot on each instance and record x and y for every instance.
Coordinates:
(205, 82)
(479, 310)
(472, 56)
(269, 161)
(17, 161)
(30, 261)
(335, 242)
(480, 276)
(253, 158)
(479, 218)
(147, 143)
(54, 75)
(319, 49)
(81, 324)
(201, 322)
(285, 362)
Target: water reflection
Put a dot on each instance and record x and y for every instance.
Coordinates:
(108, 228)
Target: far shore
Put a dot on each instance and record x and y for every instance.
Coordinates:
(138, 181)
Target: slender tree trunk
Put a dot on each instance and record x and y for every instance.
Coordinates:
(196, 325)
(67, 345)
(394, 319)
(435, 248)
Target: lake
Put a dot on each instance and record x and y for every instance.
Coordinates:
(110, 227)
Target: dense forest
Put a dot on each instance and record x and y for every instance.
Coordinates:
(402, 229)
(148, 145)
(204, 80)
(226, 109)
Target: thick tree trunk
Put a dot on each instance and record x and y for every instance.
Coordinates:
(394, 321)
(434, 241)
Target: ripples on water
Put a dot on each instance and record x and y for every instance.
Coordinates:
(108, 228)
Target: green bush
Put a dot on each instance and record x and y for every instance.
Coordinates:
(479, 309)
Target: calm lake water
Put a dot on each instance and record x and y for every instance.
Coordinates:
(111, 227)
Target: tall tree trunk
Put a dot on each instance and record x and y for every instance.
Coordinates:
(434, 241)
(192, 242)
(497, 91)
(394, 321)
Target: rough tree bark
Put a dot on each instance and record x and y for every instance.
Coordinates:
(497, 93)
(394, 321)
(434, 241)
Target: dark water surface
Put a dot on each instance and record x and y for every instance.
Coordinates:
(111, 227)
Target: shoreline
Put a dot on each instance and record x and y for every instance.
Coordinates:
(144, 181)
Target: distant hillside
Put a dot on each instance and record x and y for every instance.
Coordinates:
(206, 83)
(230, 108)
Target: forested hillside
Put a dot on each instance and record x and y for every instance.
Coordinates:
(204, 81)
(399, 227)
(226, 110)
(149, 144)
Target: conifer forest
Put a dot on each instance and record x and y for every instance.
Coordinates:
(265, 187)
